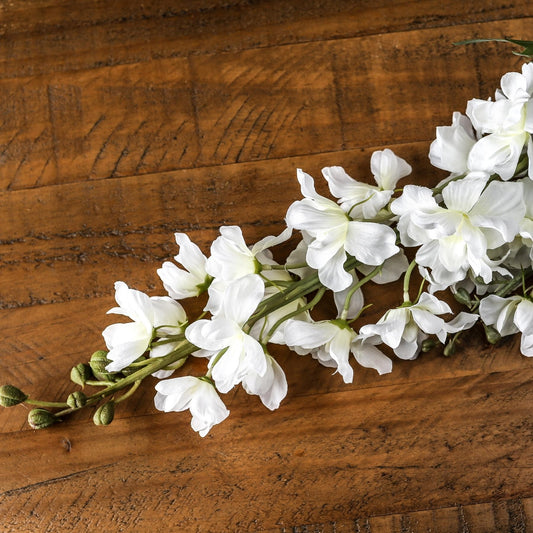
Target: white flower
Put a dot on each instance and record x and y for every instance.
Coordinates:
(455, 238)
(233, 353)
(195, 394)
(449, 151)
(510, 315)
(271, 387)
(331, 341)
(508, 123)
(334, 234)
(360, 199)
(526, 225)
(232, 259)
(189, 282)
(327, 339)
(391, 270)
(405, 328)
(367, 355)
(127, 342)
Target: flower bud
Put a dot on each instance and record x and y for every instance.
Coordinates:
(463, 297)
(104, 414)
(449, 349)
(491, 334)
(76, 399)
(41, 418)
(10, 396)
(428, 345)
(80, 374)
(98, 363)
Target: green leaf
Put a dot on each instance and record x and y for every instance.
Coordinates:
(526, 45)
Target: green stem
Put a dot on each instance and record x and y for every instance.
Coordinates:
(358, 285)
(320, 293)
(406, 281)
(130, 392)
(299, 289)
(217, 358)
(94, 383)
(157, 363)
(40, 403)
(284, 267)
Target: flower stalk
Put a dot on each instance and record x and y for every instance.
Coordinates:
(472, 234)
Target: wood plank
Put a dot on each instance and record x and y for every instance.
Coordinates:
(242, 106)
(106, 122)
(503, 515)
(98, 33)
(403, 447)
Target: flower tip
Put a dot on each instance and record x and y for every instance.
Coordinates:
(41, 418)
(10, 396)
(76, 400)
(98, 364)
(104, 414)
(491, 334)
(80, 374)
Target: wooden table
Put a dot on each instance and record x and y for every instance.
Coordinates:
(123, 122)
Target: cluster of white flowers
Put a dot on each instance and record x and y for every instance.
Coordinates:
(472, 234)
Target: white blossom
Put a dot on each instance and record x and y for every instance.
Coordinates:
(449, 151)
(334, 235)
(405, 328)
(233, 352)
(359, 199)
(195, 394)
(127, 342)
(455, 239)
(232, 259)
(270, 387)
(327, 339)
(507, 123)
(510, 315)
(194, 279)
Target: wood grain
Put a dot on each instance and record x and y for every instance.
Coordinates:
(240, 106)
(124, 122)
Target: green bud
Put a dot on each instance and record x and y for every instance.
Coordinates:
(463, 297)
(104, 414)
(10, 396)
(492, 335)
(428, 345)
(80, 374)
(76, 399)
(41, 418)
(98, 363)
(449, 349)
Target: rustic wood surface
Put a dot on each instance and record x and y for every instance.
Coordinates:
(122, 122)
